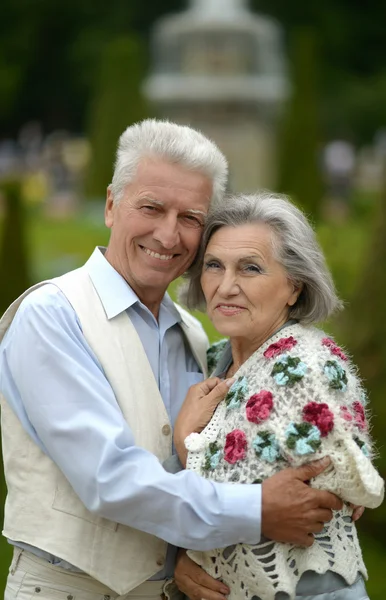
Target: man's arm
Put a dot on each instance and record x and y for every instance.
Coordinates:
(55, 385)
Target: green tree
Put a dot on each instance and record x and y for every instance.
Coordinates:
(364, 330)
(118, 103)
(299, 146)
(13, 267)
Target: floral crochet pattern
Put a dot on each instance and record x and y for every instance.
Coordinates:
(266, 446)
(334, 348)
(279, 347)
(346, 414)
(237, 393)
(288, 417)
(303, 438)
(336, 375)
(363, 446)
(288, 370)
(259, 407)
(359, 415)
(235, 446)
(213, 354)
(320, 415)
(212, 457)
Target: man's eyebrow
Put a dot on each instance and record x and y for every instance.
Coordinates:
(152, 200)
(196, 212)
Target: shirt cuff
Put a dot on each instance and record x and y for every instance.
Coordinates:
(241, 508)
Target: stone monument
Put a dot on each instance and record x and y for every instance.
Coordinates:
(220, 68)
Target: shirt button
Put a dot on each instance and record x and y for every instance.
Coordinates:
(160, 561)
(69, 597)
(38, 590)
(166, 430)
(107, 597)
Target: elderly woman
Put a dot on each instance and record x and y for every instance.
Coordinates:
(262, 278)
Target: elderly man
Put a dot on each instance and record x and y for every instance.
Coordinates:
(94, 366)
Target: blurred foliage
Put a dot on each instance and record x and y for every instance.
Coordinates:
(364, 328)
(117, 103)
(300, 140)
(50, 56)
(13, 265)
(13, 251)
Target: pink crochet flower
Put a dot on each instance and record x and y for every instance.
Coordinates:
(320, 415)
(279, 347)
(344, 411)
(359, 415)
(259, 406)
(334, 348)
(235, 446)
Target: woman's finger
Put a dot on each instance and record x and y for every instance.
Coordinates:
(208, 385)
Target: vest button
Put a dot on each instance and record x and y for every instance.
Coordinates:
(107, 597)
(160, 561)
(166, 430)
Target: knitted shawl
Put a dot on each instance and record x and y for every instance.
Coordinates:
(296, 399)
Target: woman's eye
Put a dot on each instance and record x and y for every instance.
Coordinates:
(211, 264)
(252, 269)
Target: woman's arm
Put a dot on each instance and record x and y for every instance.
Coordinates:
(334, 423)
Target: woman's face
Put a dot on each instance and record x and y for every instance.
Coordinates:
(247, 291)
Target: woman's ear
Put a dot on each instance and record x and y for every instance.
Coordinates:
(296, 291)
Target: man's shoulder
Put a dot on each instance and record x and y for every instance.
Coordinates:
(42, 306)
(47, 296)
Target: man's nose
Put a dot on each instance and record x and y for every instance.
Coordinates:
(167, 233)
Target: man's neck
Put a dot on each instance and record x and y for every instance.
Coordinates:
(150, 297)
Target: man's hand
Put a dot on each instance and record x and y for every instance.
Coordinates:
(197, 410)
(195, 583)
(292, 510)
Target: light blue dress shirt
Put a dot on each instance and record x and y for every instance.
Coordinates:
(54, 383)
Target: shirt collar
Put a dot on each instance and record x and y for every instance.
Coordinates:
(113, 290)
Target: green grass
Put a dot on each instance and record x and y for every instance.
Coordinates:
(5, 561)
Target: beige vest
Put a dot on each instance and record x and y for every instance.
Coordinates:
(41, 507)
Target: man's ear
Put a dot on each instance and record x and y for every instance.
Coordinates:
(109, 208)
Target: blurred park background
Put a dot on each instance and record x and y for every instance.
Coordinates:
(294, 93)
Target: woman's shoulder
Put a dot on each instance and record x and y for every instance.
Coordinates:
(305, 354)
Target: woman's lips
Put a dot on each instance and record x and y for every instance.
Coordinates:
(229, 310)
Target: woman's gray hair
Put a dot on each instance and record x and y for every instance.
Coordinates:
(173, 143)
(294, 245)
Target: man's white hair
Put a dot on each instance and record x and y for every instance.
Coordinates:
(173, 143)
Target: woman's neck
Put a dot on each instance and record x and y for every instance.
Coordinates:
(243, 348)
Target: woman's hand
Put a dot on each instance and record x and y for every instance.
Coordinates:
(197, 410)
(195, 583)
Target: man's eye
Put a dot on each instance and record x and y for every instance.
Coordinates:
(192, 221)
(149, 208)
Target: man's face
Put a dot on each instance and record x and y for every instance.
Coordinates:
(156, 227)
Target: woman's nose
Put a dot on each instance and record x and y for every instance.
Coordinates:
(229, 285)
